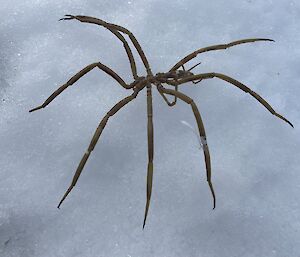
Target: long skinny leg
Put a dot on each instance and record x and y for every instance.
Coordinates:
(235, 83)
(215, 47)
(126, 46)
(77, 76)
(150, 150)
(193, 66)
(128, 52)
(94, 141)
(196, 82)
(201, 129)
(166, 99)
(100, 22)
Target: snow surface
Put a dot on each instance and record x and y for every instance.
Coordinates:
(255, 156)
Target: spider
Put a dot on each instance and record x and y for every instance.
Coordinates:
(174, 77)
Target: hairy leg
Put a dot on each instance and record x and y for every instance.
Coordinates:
(150, 150)
(235, 83)
(215, 47)
(112, 26)
(77, 76)
(202, 133)
(94, 141)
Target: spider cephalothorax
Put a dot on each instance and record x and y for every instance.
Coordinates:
(174, 77)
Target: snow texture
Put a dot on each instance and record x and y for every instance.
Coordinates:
(255, 156)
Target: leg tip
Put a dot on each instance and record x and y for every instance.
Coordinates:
(58, 206)
(267, 39)
(36, 108)
(67, 17)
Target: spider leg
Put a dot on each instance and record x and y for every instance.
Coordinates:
(237, 84)
(128, 51)
(150, 150)
(77, 76)
(201, 129)
(194, 66)
(125, 44)
(196, 82)
(111, 26)
(94, 141)
(176, 87)
(166, 99)
(215, 47)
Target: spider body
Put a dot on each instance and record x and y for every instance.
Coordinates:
(174, 77)
(159, 78)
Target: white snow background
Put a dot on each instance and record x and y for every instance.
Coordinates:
(255, 156)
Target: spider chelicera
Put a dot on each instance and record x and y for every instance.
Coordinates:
(174, 77)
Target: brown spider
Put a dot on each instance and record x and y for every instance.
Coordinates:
(173, 77)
